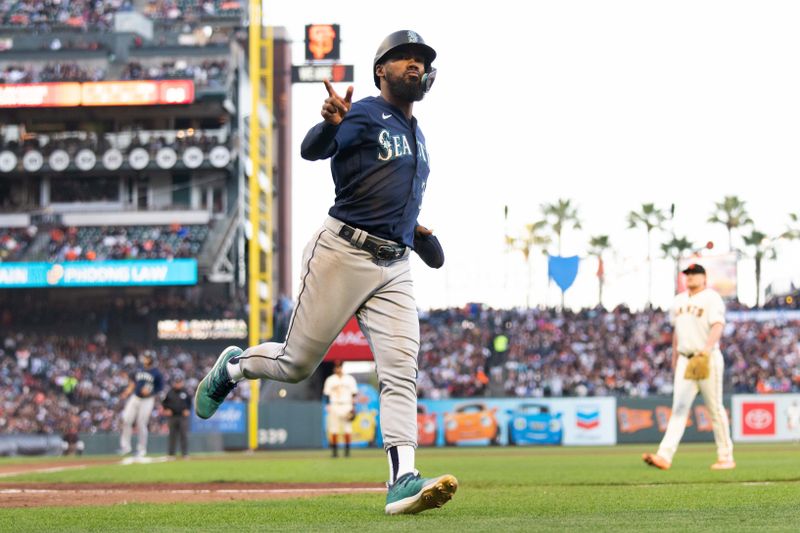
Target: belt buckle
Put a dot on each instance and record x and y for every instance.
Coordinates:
(386, 252)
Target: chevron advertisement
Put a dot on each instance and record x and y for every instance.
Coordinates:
(766, 418)
(99, 273)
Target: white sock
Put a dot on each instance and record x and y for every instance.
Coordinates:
(401, 461)
(235, 371)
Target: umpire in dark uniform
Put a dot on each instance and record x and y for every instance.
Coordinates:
(177, 405)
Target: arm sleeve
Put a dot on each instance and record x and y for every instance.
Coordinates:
(716, 310)
(326, 388)
(320, 142)
(158, 382)
(324, 140)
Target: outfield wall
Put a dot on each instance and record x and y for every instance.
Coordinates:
(766, 417)
(644, 420)
(288, 424)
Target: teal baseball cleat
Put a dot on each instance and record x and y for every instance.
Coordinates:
(412, 493)
(217, 384)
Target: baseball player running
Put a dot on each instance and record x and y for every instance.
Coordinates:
(698, 316)
(145, 383)
(357, 262)
(341, 390)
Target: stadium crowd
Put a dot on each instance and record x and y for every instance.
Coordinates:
(534, 353)
(57, 384)
(207, 73)
(51, 72)
(98, 15)
(125, 242)
(49, 383)
(44, 15)
(14, 242)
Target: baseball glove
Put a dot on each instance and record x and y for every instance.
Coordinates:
(697, 367)
(351, 415)
(429, 250)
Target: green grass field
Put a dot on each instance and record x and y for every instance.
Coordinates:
(501, 489)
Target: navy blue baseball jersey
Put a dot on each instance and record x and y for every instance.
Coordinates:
(379, 166)
(147, 376)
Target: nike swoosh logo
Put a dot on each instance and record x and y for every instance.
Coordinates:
(385, 115)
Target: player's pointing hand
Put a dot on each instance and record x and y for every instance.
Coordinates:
(335, 107)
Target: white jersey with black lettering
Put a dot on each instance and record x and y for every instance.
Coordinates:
(692, 317)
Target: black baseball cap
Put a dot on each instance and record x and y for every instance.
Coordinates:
(694, 268)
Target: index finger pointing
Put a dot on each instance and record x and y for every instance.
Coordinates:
(329, 87)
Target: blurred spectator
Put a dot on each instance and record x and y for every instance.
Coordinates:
(60, 71)
(14, 242)
(209, 72)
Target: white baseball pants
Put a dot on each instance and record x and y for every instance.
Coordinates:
(339, 280)
(136, 410)
(683, 397)
(339, 419)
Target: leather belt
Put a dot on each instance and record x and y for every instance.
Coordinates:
(378, 248)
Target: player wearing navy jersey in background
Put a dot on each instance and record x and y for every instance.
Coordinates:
(144, 384)
(357, 262)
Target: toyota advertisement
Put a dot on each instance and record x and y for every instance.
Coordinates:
(766, 418)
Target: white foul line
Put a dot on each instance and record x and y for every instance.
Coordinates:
(48, 470)
(197, 491)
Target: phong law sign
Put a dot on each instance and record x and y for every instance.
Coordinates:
(99, 273)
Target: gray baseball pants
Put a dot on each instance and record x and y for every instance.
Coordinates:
(339, 280)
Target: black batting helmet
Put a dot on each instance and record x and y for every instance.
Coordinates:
(404, 38)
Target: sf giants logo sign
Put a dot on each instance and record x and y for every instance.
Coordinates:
(322, 42)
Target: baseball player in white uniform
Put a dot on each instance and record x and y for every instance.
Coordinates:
(698, 317)
(341, 390)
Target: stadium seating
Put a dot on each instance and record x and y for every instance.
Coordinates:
(51, 385)
(14, 242)
(587, 353)
(125, 242)
(99, 15)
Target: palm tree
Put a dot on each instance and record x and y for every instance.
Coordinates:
(793, 228)
(762, 247)
(559, 215)
(675, 248)
(597, 246)
(732, 213)
(532, 239)
(650, 217)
